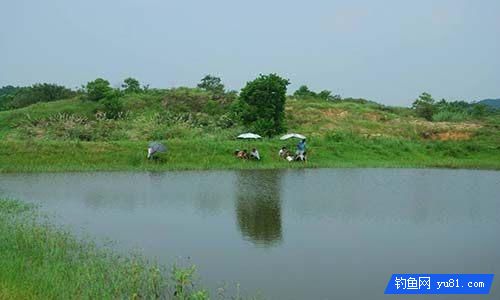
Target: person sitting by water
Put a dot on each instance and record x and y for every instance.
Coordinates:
(286, 154)
(255, 154)
(283, 152)
(241, 154)
(301, 157)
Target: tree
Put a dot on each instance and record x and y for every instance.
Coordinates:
(479, 110)
(97, 89)
(304, 92)
(45, 92)
(325, 95)
(8, 90)
(263, 101)
(335, 98)
(212, 84)
(424, 106)
(131, 85)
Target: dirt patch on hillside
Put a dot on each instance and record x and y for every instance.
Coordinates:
(334, 113)
(451, 136)
(372, 116)
(447, 126)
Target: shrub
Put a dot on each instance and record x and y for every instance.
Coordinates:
(186, 100)
(424, 106)
(304, 92)
(112, 107)
(480, 110)
(450, 116)
(226, 120)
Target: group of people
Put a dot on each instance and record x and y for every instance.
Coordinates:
(243, 154)
(300, 154)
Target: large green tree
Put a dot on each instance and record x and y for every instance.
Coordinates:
(263, 101)
(98, 89)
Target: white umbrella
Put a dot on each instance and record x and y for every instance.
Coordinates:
(292, 135)
(249, 135)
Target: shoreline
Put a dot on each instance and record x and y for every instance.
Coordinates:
(205, 154)
(62, 265)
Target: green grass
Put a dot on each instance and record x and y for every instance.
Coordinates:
(333, 150)
(39, 260)
(68, 135)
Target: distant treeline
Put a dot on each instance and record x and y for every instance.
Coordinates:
(426, 107)
(13, 97)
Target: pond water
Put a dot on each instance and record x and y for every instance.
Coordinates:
(288, 234)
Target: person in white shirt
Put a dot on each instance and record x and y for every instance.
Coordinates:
(255, 154)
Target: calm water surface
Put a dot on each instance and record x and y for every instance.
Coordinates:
(296, 234)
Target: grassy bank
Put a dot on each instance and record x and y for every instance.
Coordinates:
(338, 150)
(41, 261)
(73, 135)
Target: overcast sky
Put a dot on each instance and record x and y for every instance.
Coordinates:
(387, 51)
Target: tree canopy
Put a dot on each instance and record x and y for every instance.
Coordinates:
(424, 106)
(16, 97)
(97, 89)
(263, 101)
(303, 92)
(212, 84)
(131, 85)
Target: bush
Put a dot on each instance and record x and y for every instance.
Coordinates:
(186, 99)
(213, 108)
(113, 107)
(480, 110)
(304, 92)
(449, 116)
(226, 120)
(424, 106)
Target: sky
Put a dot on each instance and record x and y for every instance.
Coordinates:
(387, 51)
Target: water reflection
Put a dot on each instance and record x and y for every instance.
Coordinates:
(258, 206)
(342, 226)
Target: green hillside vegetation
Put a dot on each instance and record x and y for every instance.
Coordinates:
(101, 128)
(493, 103)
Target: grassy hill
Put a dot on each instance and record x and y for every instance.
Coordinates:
(200, 132)
(494, 103)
